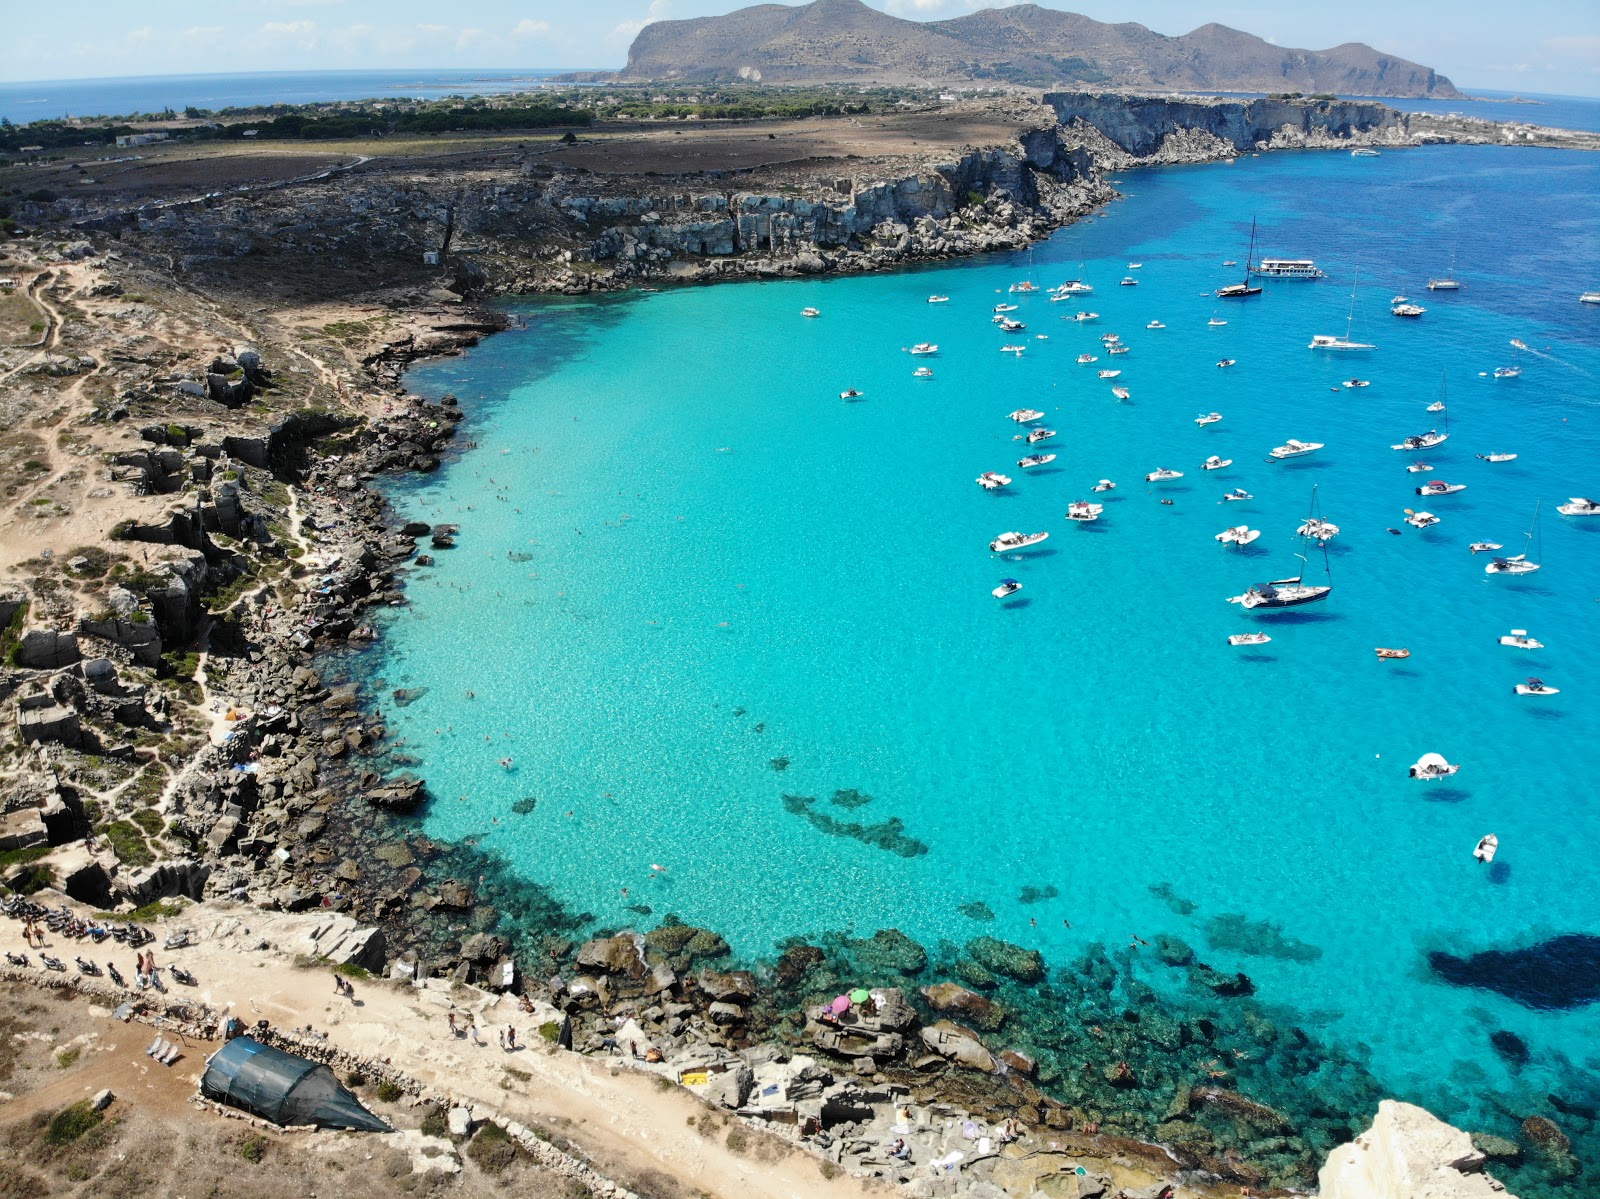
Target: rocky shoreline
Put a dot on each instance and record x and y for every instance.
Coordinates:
(288, 795)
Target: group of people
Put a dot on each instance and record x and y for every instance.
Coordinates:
(468, 1030)
(344, 987)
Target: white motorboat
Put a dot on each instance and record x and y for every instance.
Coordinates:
(1010, 326)
(1238, 535)
(1485, 850)
(1249, 639)
(1589, 297)
(1133, 266)
(1485, 547)
(1286, 268)
(1074, 287)
(1296, 449)
(1161, 474)
(1216, 463)
(1111, 374)
(1007, 542)
(1033, 460)
(1433, 766)
(1519, 639)
(1007, 587)
(1237, 494)
(1024, 288)
(1104, 485)
(1208, 418)
(1086, 359)
(1121, 393)
(1507, 372)
(1578, 506)
(1226, 362)
(1440, 487)
(1216, 322)
(1013, 349)
(1038, 435)
(1318, 529)
(1005, 307)
(993, 480)
(1518, 564)
(1364, 152)
(1422, 441)
(1041, 337)
(1128, 281)
(1498, 456)
(1023, 415)
(1110, 339)
(938, 299)
(922, 372)
(1444, 285)
(1436, 406)
(1116, 348)
(1155, 325)
(1536, 687)
(1407, 309)
(850, 393)
(924, 347)
(1354, 383)
(1083, 510)
(1417, 468)
(1082, 317)
(811, 312)
(1421, 520)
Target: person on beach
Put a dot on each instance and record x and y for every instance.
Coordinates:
(477, 1037)
(511, 1038)
(450, 1017)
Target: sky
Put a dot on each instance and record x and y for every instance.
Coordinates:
(1533, 45)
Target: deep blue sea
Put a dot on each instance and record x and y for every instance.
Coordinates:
(24, 102)
(684, 561)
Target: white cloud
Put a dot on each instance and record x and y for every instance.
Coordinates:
(289, 28)
(530, 28)
(657, 11)
(203, 31)
(468, 38)
(1581, 45)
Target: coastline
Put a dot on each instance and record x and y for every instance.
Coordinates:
(336, 497)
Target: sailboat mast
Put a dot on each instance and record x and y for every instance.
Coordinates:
(1350, 320)
(1250, 254)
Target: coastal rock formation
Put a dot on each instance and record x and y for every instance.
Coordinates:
(846, 41)
(1408, 1154)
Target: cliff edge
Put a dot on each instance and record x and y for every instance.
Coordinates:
(1408, 1153)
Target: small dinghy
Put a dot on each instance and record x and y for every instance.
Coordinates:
(1161, 474)
(1436, 406)
(1007, 542)
(1486, 547)
(1226, 362)
(1238, 493)
(1083, 510)
(1519, 639)
(1392, 653)
(1023, 415)
(1007, 587)
(1486, 847)
(1155, 325)
(1421, 520)
(1104, 485)
(1433, 766)
(938, 299)
(1208, 418)
(922, 372)
(1109, 374)
(1354, 383)
(1035, 460)
(1249, 639)
(1039, 435)
(1500, 457)
(1417, 468)
(1238, 535)
(1536, 687)
(811, 312)
(1216, 322)
(850, 393)
(1121, 393)
(1086, 359)
(1215, 463)
(993, 480)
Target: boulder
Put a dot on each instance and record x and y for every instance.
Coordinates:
(977, 1010)
(736, 986)
(1002, 957)
(621, 954)
(731, 1088)
(1547, 1135)
(1406, 1154)
(21, 829)
(46, 649)
(960, 1045)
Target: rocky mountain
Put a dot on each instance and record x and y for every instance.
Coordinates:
(845, 41)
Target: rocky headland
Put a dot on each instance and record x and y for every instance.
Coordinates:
(198, 426)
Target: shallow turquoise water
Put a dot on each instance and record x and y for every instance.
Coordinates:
(720, 563)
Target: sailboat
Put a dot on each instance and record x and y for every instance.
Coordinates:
(1289, 593)
(1238, 291)
(1449, 282)
(1027, 285)
(1519, 564)
(1327, 341)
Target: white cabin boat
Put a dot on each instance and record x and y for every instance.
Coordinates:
(1317, 529)
(1433, 766)
(1013, 349)
(1161, 475)
(1422, 520)
(993, 480)
(1536, 687)
(1024, 288)
(1364, 152)
(1485, 547)
(811, 312)
(1083, 510)
(1116, 347)
(1238, 535)
(1082, 317)
(922, 372)
(1109, 374)
(1121, 393)
(1086, 359)
(1226, 362)
(1104, 485)
(1498, 456)
(1436, 406)
(1007, 587)
(1352, 384)
(1411, 310)
(924, 347)
(1216, 463)
(851, 393)
(1033, 460)
(1128, 281)
(1295, 449)
(1249, 639)
(1155, 325)
(1074, 287)
(1578, 506)
(1005, 307)
(1208, 418)
(1519, 639)
(1517, 564)
(1038, 435)
(938, 299)
(1287, 268)
(1422, 441)
(1023, 415)
(1327, 341)
(1508, 372)
(1440, 487)
(1007, 542)
(1589, 297)
(1010, 326)
(1216, 322)
(1237, 494)
(1486, 848)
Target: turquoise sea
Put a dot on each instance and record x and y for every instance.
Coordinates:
(685, 562)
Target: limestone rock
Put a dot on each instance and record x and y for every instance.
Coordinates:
(621, 954)
(1408, 1154)
(978, 1010)
(960, 1045)
(737, 986)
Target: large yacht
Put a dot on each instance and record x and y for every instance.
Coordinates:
(1281, 593)
(1578, 506)
(1287, 268)
(1296, 449)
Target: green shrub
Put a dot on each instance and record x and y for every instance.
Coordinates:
(434, 1124)
(389, 1091)
(70, 1123)
(254, 1149)
(492, 1149)
(149, 820)
(68, 1057)
(128, 843)
(550, 1031)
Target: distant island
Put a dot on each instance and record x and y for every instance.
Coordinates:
(844, 41)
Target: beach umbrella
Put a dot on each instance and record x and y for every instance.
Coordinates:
(840, 1005)
(860, 996)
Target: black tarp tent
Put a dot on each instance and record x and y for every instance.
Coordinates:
(283, 1087)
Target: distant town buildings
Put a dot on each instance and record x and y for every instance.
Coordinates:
(139, 139)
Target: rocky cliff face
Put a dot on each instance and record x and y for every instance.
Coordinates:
(1141, 126)
(1408, 1154)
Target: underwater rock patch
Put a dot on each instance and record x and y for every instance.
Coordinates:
(890, 950)
(1037, 894)
(1258, 938)
(889, 834)
(1180, 905)
(1002, 957)
(525, 805)
(404, 697)
(1509, 1046)
(1561, 973)
(976, 910)
(849, 797)
(779, 763)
